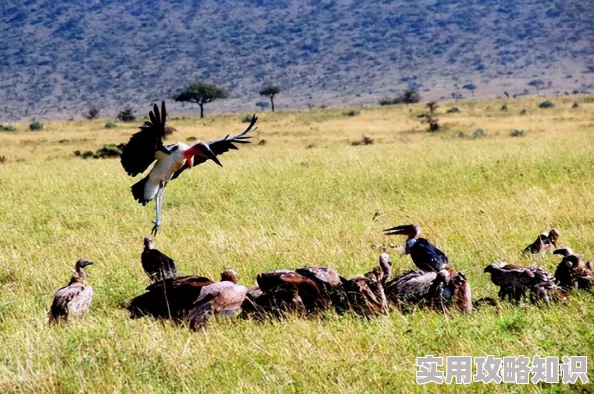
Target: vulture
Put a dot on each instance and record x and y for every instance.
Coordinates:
(423, 253)
(439, 290)
(158, 266)
(365, 294)
(544, 241)
(74, 298)
(329, 283)
(171, 298)
(281, 292)
(146, 146)
(572, 273)
(223, 298)
(514, 281)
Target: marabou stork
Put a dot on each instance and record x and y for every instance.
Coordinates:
(157, 265)
(423, 253)
(223, 298)
(544, 241)
(146, 147)
(74, 298)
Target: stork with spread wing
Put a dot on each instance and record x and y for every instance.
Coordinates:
(146, 146)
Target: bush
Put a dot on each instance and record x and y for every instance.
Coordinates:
(546, 104)
(93, 113)
(127, 115)
(503, 107)
(518, 133)
(36, 126)
(479, 133)
(453, 110)
(110, 125)
(192, 138)
(409, 96)
(109, 150)
(523, 112)
(575, 105)
(247, 118)
(363, 141)
(7, 127)
(86, 154)
(351, 113)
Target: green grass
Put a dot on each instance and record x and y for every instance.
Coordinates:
(283, 205)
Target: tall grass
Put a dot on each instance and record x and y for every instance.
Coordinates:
(284, 205)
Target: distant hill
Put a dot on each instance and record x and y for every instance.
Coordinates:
(57, 58)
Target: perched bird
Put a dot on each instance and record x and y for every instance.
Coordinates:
(365, 294)
(438, 290)
(572, 272)
(423, 253)
(281, 292)
(75, 298)
(157, 265)
(544, 241)
(146, 147)
(171, 298)
(223, 298)
(514, 281)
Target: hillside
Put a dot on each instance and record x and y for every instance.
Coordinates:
(59, 58)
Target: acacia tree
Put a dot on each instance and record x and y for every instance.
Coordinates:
(471, 87)
(537, 84)
(270, 92)
(201, 93)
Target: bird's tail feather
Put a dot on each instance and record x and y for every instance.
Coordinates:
(138, 191)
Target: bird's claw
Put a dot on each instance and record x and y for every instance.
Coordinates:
(156, 228)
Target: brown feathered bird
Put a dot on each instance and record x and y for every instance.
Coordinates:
(438, 290)
(365, 294)
(544, 241)
(572, 273)
(74, 298)
(329, 283)
(171, 298)
(223, 298)
(515, 281)
(281, 292)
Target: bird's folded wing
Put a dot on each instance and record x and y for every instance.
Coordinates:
(143, 147)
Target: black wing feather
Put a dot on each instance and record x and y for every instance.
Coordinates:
(140, 151)
(427, 257)
(223, 145)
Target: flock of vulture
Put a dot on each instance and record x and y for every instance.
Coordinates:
(434, 284)
(304, 291)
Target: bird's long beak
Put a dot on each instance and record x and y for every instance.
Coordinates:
(398, 230)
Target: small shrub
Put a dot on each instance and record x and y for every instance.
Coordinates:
(191, 139)
(523, 112)
(518, 133)
(479, 133)
(363, 141)
(262, 142)
(310, 146)
(93, 113)
(64, 142)
(35, 126)
(3, 159)
(503, 107)
(453, 110)
(546, 104)
(127, 115)
(575, 105)
(351, 113)
(462, 134)
(77, 153)
(87, 154)
(109, 150)
(387, 101)
(7, 127)
(110, 125)
(247, 118)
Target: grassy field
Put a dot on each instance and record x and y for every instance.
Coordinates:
(305, 197)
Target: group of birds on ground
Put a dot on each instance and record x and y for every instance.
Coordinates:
(435, 284)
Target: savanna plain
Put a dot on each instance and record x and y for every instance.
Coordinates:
(300, 195)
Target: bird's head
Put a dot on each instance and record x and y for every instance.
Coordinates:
(82, 263)
(554, 235)
(229, 275)
(201, 149)
(149, 243)
(564, 252)
(411, 230)
(490, 268)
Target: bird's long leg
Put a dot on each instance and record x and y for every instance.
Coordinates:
(159, 207)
